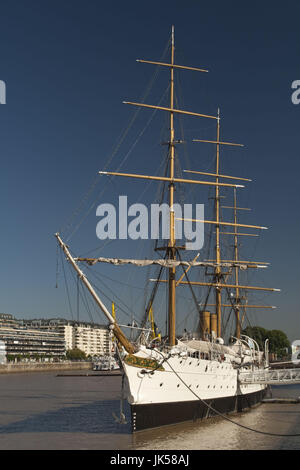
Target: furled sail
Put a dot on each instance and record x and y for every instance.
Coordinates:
(166, 263)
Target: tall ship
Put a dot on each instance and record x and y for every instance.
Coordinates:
(189, 375)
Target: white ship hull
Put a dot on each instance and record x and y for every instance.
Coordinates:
(182, 391)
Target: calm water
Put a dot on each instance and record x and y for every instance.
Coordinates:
(44, 411)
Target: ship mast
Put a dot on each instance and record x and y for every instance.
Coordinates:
(218, 250)
(172, 249)
(219, 283)
(217, 183)
(236, 257)
(218, 223)
(237, 300)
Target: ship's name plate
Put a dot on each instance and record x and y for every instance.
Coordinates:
(142, 362)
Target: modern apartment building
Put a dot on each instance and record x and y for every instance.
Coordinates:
(52, 337)
(93, 341)
(91, 338)
(32, 343)
(8, 320)
(2, 352)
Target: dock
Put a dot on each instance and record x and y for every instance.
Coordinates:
(98, 374)
(281, 400)
(270, 376)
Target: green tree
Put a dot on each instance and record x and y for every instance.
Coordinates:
(257, 333)
(278, 341)
(75, 354)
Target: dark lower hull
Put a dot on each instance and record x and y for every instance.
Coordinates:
(163, 414)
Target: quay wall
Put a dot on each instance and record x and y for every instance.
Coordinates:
(43, 366)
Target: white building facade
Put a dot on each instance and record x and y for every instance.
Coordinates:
(93, 341)
(91, 338)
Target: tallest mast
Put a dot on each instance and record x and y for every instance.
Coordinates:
(172, 253)
(171, 248)
(217, 215)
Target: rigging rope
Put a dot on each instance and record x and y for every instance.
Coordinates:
(118, 168)
(115, 150)
(79, 295)
(226, 417)
(266, 433)
(108, 288)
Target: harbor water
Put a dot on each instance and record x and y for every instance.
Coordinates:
(48, 411)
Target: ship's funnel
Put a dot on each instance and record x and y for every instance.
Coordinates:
(213, 325)
(204, 326)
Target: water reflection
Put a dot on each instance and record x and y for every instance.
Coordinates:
(96, 417)
(42, 411)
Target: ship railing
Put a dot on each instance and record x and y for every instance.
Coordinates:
(186, 352)
(278, 376)
(252, 347)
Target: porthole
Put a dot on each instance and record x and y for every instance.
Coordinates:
(141, 374)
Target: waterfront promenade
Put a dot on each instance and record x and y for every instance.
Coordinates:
(43, 366)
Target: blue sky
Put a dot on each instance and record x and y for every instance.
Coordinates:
(69, 65)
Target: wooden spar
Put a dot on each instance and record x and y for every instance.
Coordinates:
(170, 110)
(239, 261)
(244, 306)
(239, 233)
(116, 329)
(212, 284)
(170, 179)
(223, 223)
(218, 142)
(237, 208)
(171, 65)
(213, 174)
